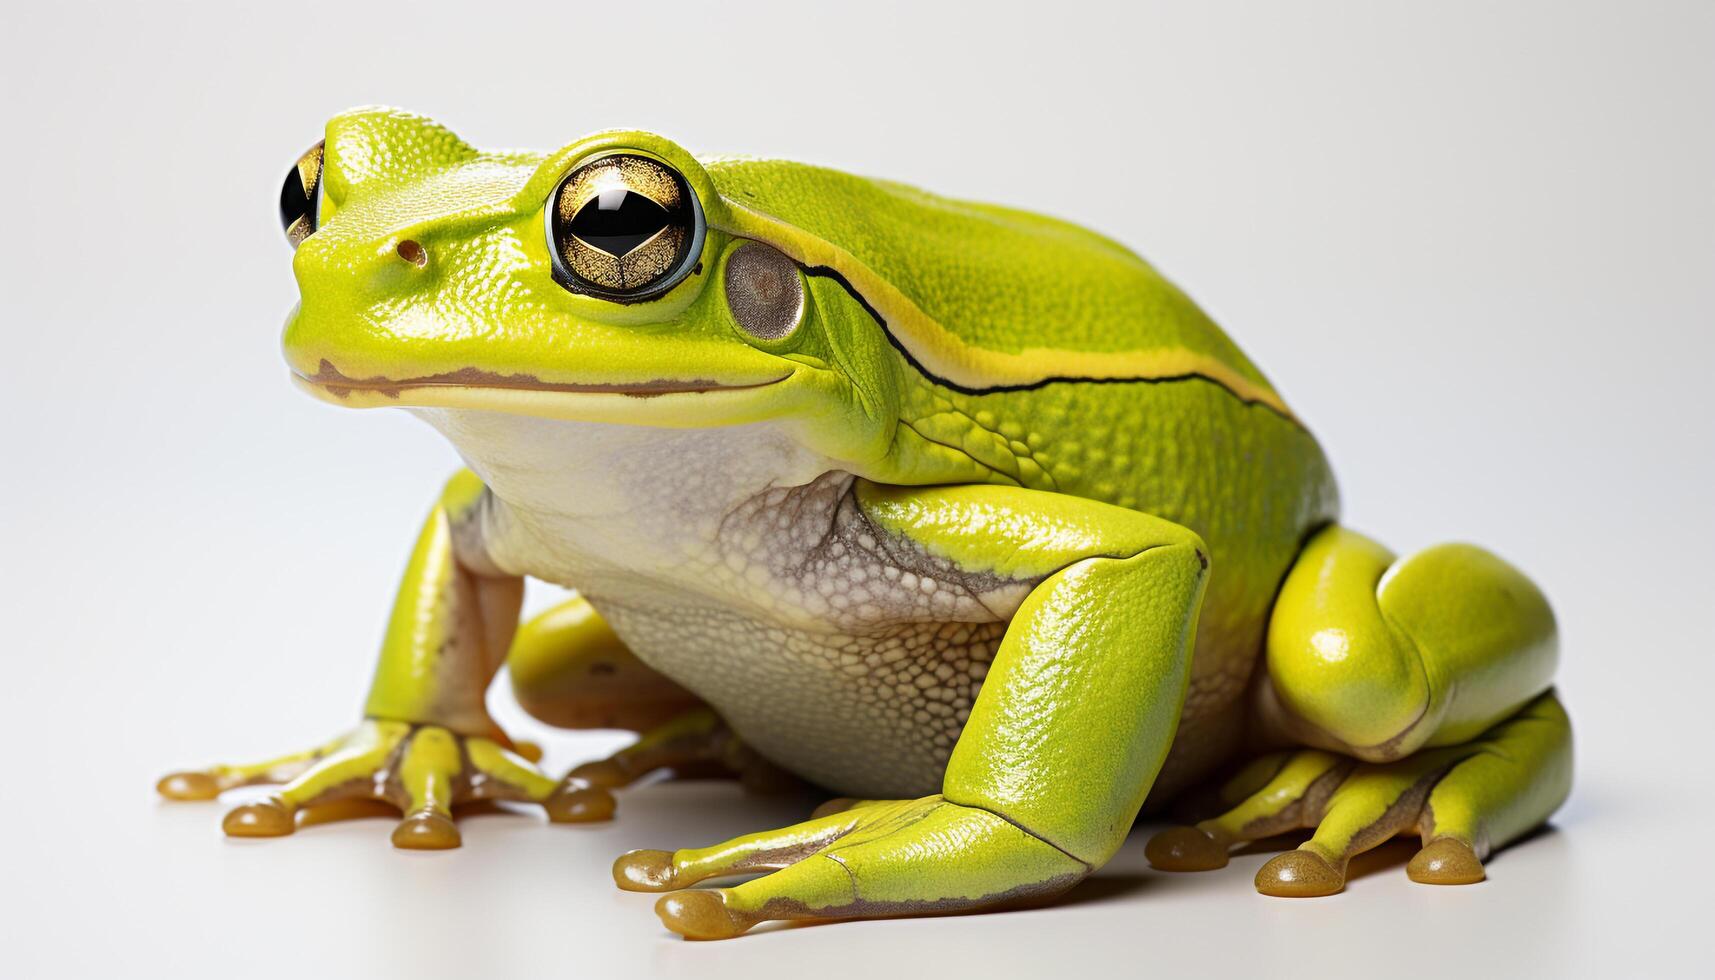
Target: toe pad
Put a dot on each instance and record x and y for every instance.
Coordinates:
(188, 786)
(1185, 849)
(576, 801)
(427, 831)
(1299, 874)
(1446, 861)
(266, 819)
(645, 871)
(701, 915)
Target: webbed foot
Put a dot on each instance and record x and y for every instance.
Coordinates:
(423, 770)
(1463, 801)
(694, 743)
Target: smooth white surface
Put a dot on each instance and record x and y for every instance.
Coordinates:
(1473, 244)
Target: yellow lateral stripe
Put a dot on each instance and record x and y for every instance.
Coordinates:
(948, 356)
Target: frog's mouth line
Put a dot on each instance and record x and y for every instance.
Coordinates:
(330, 379)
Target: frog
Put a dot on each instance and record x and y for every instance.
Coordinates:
(963, 514)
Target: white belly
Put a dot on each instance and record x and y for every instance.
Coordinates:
(735, 563)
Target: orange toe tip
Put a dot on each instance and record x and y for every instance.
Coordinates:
(1185, 849)
(188, 786)
(838, 804)
(1446, 861)
(577, 801)
(1299, 874)
(645, 871)
(604, 773)
(427, 831)
(528, 751)
(269, 818)
(701, 915)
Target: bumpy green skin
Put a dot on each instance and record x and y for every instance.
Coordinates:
(1004, 497)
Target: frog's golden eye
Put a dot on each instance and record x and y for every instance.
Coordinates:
(301, 197)
(623, 227)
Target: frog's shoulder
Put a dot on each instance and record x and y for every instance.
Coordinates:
(979, 296)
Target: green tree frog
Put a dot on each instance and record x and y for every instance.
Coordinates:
(961, 512)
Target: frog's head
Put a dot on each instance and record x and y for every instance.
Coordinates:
(606, 281)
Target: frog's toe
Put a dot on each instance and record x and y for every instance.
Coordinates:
(1186, 849)
(1446, 861)
(693, 741)
(1303, 873)
(429, 830)
(209, 783)
(1462, 800)
(268, 818)
(883, 858)
(189, 786)
(423, 770)
(576, 800)
(652, 870)
(702, 915)
(646, 871)
(1285, 795)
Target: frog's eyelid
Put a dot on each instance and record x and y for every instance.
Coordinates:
(546, 178)
(553, 168)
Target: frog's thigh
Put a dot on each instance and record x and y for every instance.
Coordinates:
(569, 669)
(1062, 744)
(1378, 658)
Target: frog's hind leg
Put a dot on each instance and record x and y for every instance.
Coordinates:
(1377, 657)
(1463, 801)
(1429, 675)
(570, 670)
(1521, 774)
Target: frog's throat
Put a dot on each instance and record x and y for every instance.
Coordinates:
(526, 394)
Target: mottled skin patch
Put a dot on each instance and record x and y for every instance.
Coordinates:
(876, 649)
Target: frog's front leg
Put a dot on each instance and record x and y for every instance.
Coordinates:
(427, 742)
(1069, 730)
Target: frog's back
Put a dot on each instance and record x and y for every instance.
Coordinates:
(1057, 359)
(997, 297)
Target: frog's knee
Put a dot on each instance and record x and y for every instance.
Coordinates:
(1335, 661)
(1379, 657)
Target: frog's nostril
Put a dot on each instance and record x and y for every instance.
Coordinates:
(413, 253)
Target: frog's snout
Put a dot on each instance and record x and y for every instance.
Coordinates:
(386, 267)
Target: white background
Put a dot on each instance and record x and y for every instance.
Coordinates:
(1472, 243)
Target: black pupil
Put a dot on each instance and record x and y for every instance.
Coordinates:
(294, 203)
(618, 221)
